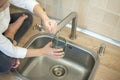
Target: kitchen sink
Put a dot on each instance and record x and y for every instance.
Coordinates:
(79, 63)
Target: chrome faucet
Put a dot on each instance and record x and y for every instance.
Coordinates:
(72, 16)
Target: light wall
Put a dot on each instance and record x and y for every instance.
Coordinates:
(100, 16)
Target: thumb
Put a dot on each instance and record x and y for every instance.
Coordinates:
(49, 44)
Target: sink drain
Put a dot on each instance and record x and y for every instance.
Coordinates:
(58, 71)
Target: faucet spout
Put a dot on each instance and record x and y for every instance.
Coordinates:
(72, 16)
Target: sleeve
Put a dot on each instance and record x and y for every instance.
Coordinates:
(9, 49)
(26, 4)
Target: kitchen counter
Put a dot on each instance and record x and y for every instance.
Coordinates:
(109, 66)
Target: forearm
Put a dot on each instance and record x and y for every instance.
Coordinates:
(34, 52)
(40, 12)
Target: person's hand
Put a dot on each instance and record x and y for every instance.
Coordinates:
(49, 51)
(49, 25)
(15, 61)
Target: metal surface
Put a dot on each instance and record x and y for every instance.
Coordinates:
(18, 75)
(71, 17)
(101, 50)
(78, 63)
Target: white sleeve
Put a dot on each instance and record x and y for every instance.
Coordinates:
(9, 49)
(26, 4)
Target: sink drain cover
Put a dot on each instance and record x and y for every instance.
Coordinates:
(58, 70)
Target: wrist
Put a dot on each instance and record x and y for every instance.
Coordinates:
(45, 17)
(42, 51)
(40, 12)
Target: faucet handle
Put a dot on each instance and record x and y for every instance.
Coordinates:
(38, 27)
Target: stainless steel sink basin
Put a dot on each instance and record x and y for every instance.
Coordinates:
(78, 63)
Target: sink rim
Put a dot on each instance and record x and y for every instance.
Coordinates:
(33, 38)
(92, 53)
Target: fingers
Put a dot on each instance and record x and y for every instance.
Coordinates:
(58, 50)
(52, 26)
(58, 53)
(53, 52)
(49, 43)
(15, 63)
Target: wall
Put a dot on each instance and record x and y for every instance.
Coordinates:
(101, 16)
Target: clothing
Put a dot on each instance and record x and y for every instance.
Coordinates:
(5, 45)
(7, 62)
(26, 4)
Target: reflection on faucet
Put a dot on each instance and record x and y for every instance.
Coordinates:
(72, 16)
